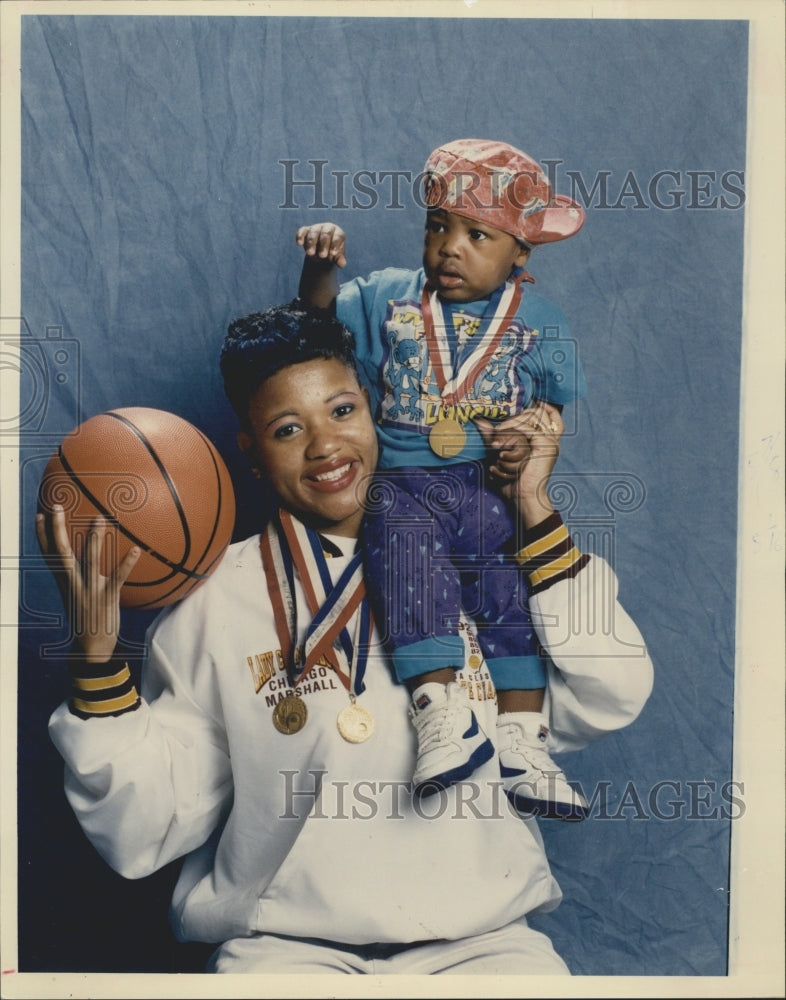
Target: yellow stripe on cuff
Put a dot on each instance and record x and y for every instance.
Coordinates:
(542, 545)
(101, 683)
(106, 707)
(554, 567)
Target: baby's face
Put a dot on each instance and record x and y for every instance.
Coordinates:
(467, 260)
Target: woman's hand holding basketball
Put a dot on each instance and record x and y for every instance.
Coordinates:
(91, 599)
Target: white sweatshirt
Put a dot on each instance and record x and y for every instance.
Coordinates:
(309, 835)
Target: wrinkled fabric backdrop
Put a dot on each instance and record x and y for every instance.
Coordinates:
(155, 158)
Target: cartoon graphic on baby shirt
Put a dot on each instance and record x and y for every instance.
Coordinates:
(405, 372)
(496, 383)
(412, 396)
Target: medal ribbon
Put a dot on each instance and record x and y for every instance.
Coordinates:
(497, 317)
(331, 620)
(280, 587)
(289, 548)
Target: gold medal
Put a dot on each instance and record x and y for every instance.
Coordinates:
(290, 714)
(447, 437)
(355, 724)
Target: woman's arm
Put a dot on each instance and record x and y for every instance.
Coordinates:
(600, 673)
(147, 782)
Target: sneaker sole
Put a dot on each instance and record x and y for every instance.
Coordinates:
(547, 810)
(439, 782)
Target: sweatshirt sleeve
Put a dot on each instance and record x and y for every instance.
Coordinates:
(600, 672)
(151, 783)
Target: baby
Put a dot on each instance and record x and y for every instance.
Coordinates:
(449, 351)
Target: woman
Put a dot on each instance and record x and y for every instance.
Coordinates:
(270, 746)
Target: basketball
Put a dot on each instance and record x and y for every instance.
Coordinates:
(160, 484)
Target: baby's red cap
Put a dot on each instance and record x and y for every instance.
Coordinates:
(496, 184)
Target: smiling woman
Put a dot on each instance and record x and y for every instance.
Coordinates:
(304, 418)
(270, 696)
(311, 430)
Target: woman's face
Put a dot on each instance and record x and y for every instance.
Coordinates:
(312, 436)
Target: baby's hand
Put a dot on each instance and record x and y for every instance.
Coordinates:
(325, 240)
(523, 448)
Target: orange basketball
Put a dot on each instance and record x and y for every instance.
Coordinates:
(161, 485)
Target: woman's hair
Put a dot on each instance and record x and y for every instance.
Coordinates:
(261, 344)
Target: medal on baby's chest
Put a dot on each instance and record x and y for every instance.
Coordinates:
(447, 436)
(456, 378)
(340, 627)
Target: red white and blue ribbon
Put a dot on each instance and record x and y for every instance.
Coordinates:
(455, 380)
(290, 550)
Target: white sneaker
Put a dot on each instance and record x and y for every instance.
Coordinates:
(534, 784)
(451, 744)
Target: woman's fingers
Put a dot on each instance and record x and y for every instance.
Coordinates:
(126, 565)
